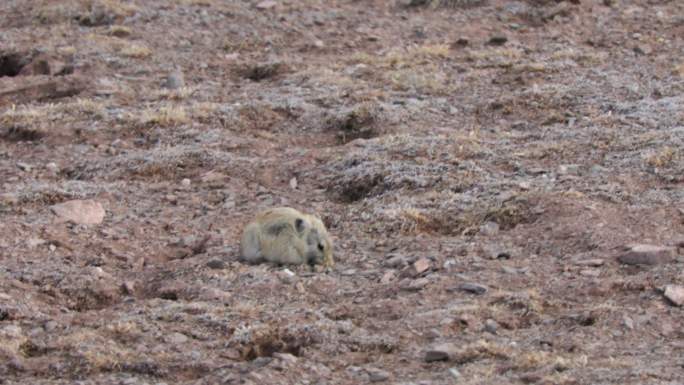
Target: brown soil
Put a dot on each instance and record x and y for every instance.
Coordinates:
(480, 165)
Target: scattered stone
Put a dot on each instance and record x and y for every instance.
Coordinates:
(595, 262)
(440, 352)
(491, 326)
(414, 285)
(455, 373)
(293, 183)
(177, 338)
(85, 212)
(268, 4)
(128, 287)
(489, 228)
(377, 375)
(396, 261)
(174, 80)
(497, 40)
(287, 276)
(643, 49)
(421, 265)
(568, 169)
(39, 88)
(474, 288)
(387, 277)
(675, 294)
(52, 166)
(590, 273)
(628, 322)
(24, 166)
(185, 182)
(286, 357)
(216, 264)
(642, 254)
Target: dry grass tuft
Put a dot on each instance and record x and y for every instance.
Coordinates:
(165, 116)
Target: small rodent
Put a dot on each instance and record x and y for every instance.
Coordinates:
(286, 236)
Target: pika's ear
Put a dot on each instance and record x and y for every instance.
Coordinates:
(299, 225)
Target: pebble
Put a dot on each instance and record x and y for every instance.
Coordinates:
(216, 264)
(268, 4)
(455, 373)
(52, 166)
(177, 338)
(396, 261)
(491, 326)
(440, 352)
(414, 285)
(421, 265)
(85, 212)
(474, 288)
(185, 182)
(174, 80)
(643, 254)
(675, 294)
(377, 375)
(24, 166)
(387, 277)
(590, 262)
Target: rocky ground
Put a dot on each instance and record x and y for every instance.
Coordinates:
(502, 179)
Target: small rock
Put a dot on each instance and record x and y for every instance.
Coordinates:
(52, 166)
(177, 338)
(642, 254)
(174, 80)
(440, 352)
(185, 182)
(643, 49)
(497, 40)
(675, 294)
(287, 276)
(568, 169)
(377, 375)
(268, 4)
(590, 273)
(86, 212)
(628, 322)
(128, 287)
(286, 357)
(414, 285)
(421, 265)
(491, 326)
(396, 261)
(293, 183)
(216, 264)
(473, 288)
(24, 166)
(455, 373)
(387, 277)
(596, 262)
(489, 228)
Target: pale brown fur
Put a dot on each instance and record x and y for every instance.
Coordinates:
(284, 235)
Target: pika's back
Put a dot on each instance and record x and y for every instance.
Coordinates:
(284, 235)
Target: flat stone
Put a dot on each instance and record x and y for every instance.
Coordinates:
(675, 294)
(268, 4)
(595, 262)
(216, 264)
(421, 265)
(642, 254)
(177, 338)
(440, 352)
(377, 375)
(85, 212)
(474, 288)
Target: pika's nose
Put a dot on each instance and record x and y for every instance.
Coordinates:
(311, 260)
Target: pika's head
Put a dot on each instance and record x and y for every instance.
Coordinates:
(318, 243)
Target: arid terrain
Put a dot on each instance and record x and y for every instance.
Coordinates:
(503, 180)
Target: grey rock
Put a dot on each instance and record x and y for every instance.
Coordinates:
(491, 326)
(440, 352)
(84, 212)
(377, 375)
(396, 261)
(174, 80)
(414, 285)
(474, 288)
(675, 294)
(176, 338)
(642, 254)
(216, 264)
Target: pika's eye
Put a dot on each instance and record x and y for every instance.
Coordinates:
(320, 246)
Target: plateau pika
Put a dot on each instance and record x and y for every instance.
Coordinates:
(284, 235)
